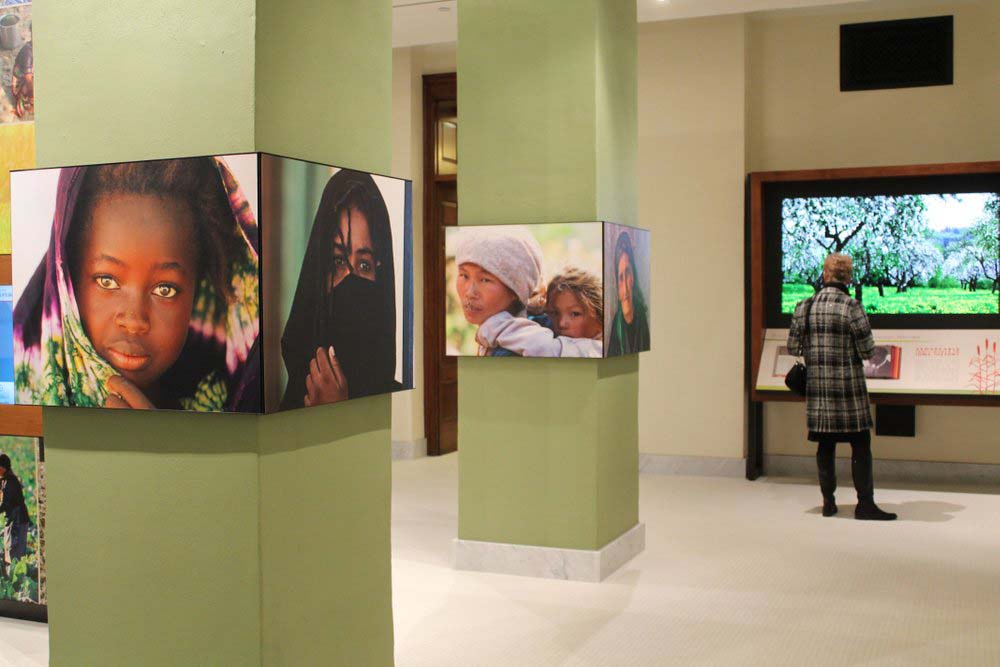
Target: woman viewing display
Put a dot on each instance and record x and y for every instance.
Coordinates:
(835, 342)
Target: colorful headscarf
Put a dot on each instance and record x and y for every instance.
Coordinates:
(219, 367)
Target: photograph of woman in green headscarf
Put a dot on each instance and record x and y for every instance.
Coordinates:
(626, 266)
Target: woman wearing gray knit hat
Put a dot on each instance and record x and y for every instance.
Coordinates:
(498, 271)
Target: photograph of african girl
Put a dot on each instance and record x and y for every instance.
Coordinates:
(626, 277)
(136, 285)
(338, 283)
(524, 290)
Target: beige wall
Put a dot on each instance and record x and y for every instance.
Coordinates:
(691, 170)
(408, 66)
(799, 119)
(718, 97)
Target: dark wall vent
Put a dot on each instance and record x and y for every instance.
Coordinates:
(897, 54)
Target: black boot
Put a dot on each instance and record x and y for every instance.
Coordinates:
(861, 469)
(826, 464)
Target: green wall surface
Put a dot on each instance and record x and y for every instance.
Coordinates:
(549, 448)
(217, 539)
(324, 92)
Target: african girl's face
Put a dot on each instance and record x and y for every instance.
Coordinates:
(626, 281)
(135, 282)
(481, 293)
(353, 250)
(570, 317)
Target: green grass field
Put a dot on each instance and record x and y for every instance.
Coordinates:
(916, 300)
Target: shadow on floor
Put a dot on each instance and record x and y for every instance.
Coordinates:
(929, 511)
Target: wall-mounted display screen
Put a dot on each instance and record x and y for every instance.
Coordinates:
(926, 249)
(913, 254)
(338, 283)
(22, 516)
(546, 290)
(142, 284)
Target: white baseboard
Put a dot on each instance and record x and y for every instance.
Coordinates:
(405, 450)
(703, 466)
(778, 465)
(551, 562)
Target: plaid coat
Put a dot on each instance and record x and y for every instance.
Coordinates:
(839, 339)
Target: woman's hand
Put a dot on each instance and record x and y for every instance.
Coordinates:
(326, 382)
(124, 394)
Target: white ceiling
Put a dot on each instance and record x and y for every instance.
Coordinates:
(417, 22)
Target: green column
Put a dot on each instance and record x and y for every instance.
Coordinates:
(549, 448)
(324, 92)
(218, 539)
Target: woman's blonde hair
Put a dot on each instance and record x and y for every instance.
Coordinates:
(586, 287)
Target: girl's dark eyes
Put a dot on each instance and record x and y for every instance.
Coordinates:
(106, 282)
(365, 266)
(166, 291)
(339, 261)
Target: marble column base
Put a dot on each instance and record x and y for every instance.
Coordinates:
(406, 450)
(551, 562)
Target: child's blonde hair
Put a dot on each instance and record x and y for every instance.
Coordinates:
(586, 286)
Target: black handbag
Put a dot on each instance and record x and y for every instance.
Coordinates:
(797, 375)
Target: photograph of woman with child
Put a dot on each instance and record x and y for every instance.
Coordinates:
(146, 294)
(525, 290)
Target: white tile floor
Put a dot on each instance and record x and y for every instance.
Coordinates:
(734, 573)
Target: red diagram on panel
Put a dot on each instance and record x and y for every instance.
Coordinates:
(984, 373)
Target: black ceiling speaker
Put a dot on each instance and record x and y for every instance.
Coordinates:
(897, 54)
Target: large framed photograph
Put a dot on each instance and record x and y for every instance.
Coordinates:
(144, 284)
(338, 283)
(136, 285)
(543, 290)
(22, 517)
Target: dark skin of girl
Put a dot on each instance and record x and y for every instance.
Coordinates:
(135, 287)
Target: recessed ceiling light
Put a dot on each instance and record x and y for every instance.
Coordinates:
(444, 8)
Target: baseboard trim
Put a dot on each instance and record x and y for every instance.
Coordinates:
(406, 450)
(702, 466)
(890, 470)
(551, 562)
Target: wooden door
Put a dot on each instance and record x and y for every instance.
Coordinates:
(440, 211)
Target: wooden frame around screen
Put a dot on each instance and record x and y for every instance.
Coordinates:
(757, 316)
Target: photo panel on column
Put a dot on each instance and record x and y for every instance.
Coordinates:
(136, 285)
(22, 487)
(627, 277)
(525, 290)
(338, 283)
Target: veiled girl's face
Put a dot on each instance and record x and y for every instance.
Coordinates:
(353, 249)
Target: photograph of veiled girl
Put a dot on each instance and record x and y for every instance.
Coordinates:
(136, 285)
(338, 284)
(626, 276)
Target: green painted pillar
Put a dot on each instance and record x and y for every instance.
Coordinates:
(547, 91)
(324, 92)
(217, 539)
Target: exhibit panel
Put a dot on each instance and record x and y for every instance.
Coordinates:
(22, 517)
(17, 102)
(140, 284)
(136, 285)
(627, 277)
(337, 283)
(569, 290)
(905, 361)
